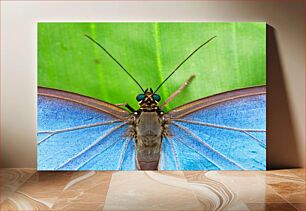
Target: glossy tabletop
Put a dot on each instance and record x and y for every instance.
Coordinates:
(27, 189)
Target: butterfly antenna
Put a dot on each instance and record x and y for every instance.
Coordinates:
(98, 44)
(183, 62)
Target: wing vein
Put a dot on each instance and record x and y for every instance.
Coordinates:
(123, 154)
(46, 138)
(91, 146)
(79, 127)
(174, 154)
(180, 140)
(245, 131)
(219, 126)
(92, 157)
(207, 146)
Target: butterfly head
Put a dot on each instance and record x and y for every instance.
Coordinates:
(148, 100)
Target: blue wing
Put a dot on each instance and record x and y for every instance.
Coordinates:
(223, 132)
(76, 134)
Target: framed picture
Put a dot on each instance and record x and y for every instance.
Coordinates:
(152, 96)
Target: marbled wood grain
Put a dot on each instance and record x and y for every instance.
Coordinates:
(299, 172)
(213, 194)
(39, 192)
(85, 191)
(22, 201)
(299, 206)
(11, 179)
(271, 207)
(286, 184)
(250, 186)
(148, 190)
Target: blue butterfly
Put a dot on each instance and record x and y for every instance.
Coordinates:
(221, 132)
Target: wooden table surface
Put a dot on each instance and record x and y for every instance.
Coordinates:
(27, 189)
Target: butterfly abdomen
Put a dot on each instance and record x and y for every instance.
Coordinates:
(149, 131)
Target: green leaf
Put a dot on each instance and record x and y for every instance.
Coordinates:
(67, 60)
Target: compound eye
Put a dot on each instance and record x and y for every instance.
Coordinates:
(156, 97)
(140, 97)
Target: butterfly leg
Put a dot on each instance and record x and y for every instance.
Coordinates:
(126, 105)
(179, 90)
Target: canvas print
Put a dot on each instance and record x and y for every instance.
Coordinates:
(151, 96)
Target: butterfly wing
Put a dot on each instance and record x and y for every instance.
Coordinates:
(81, 133)
(225, 131)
